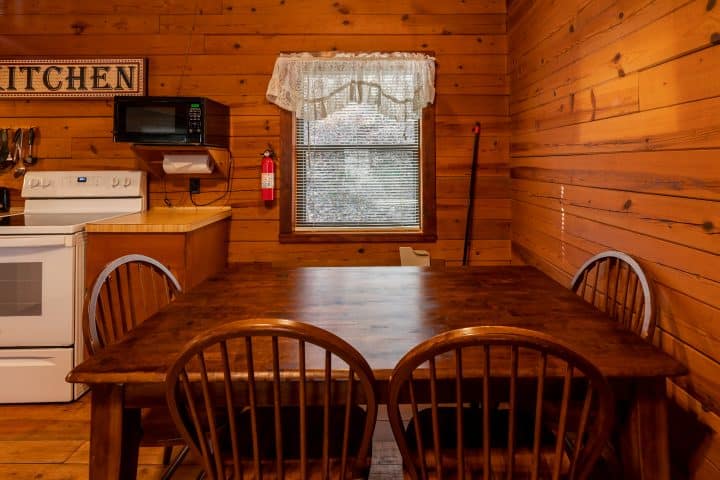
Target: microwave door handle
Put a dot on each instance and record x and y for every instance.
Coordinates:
(13, 241)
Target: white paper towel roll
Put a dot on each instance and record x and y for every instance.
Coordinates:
(187, 163)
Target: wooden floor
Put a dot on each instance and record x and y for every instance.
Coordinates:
(51, 442)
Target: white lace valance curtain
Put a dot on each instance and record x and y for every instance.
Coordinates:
(314, 86)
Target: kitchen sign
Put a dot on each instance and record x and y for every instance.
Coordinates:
(63, 78)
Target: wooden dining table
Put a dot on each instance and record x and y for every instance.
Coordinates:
(383, 312)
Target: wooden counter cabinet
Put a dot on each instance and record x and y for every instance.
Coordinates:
(192, 244)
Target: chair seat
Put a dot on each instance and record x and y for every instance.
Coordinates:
(290, 430)
(473, 441)
(472, 437)
(292, 470)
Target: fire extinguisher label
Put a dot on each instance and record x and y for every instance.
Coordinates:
(267, 180)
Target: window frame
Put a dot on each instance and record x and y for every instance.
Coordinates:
(428, 208)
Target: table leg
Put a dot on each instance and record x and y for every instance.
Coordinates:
(644, 437)
(114, 435)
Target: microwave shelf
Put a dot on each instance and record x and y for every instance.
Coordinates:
(152, 157)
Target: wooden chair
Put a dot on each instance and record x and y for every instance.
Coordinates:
(297, 402)
(471, 368)
(127, 291)
(414, 258)
(614, 283)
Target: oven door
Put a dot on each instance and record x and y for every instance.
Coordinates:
(37, 290)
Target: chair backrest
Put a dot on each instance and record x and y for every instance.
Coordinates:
(414, 258)
(127, 291)
(471, 371)
(614, 283)
(274, 397)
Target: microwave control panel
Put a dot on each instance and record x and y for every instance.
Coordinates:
(195, 118)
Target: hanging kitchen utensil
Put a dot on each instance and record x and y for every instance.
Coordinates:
(29, 159)
(5, 157)
(18, 144)
(4, 199)
(471, 195)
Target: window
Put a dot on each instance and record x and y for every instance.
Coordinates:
(357, 175)
(358, 151)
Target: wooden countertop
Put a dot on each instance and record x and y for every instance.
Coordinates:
(162, 220)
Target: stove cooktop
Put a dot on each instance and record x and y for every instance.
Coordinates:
(50, 223)
(62, 202)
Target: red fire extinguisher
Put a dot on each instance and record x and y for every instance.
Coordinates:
(267, 180)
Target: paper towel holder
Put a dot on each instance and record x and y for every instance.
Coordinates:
(195, 163)
(152, 157)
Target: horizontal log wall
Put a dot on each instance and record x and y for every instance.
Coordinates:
(615, 145)
(225, 49)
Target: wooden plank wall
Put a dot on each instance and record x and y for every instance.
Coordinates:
(615, 145)
(225, 49)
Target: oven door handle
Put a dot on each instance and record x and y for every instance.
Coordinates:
(27, 361)
(14, 241)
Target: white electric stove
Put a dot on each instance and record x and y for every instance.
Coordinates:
(42, 276)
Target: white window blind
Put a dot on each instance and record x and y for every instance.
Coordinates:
(358, 169)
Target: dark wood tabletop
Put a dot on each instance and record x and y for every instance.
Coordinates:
(381, 311)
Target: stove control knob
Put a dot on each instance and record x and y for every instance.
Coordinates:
(127, 182)
(45, 182)
(115, 181)
(34, 182)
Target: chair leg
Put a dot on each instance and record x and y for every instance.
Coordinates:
(612, 460)
(167, 455)
(170, 470)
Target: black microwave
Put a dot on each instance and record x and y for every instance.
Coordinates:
(171, 121)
